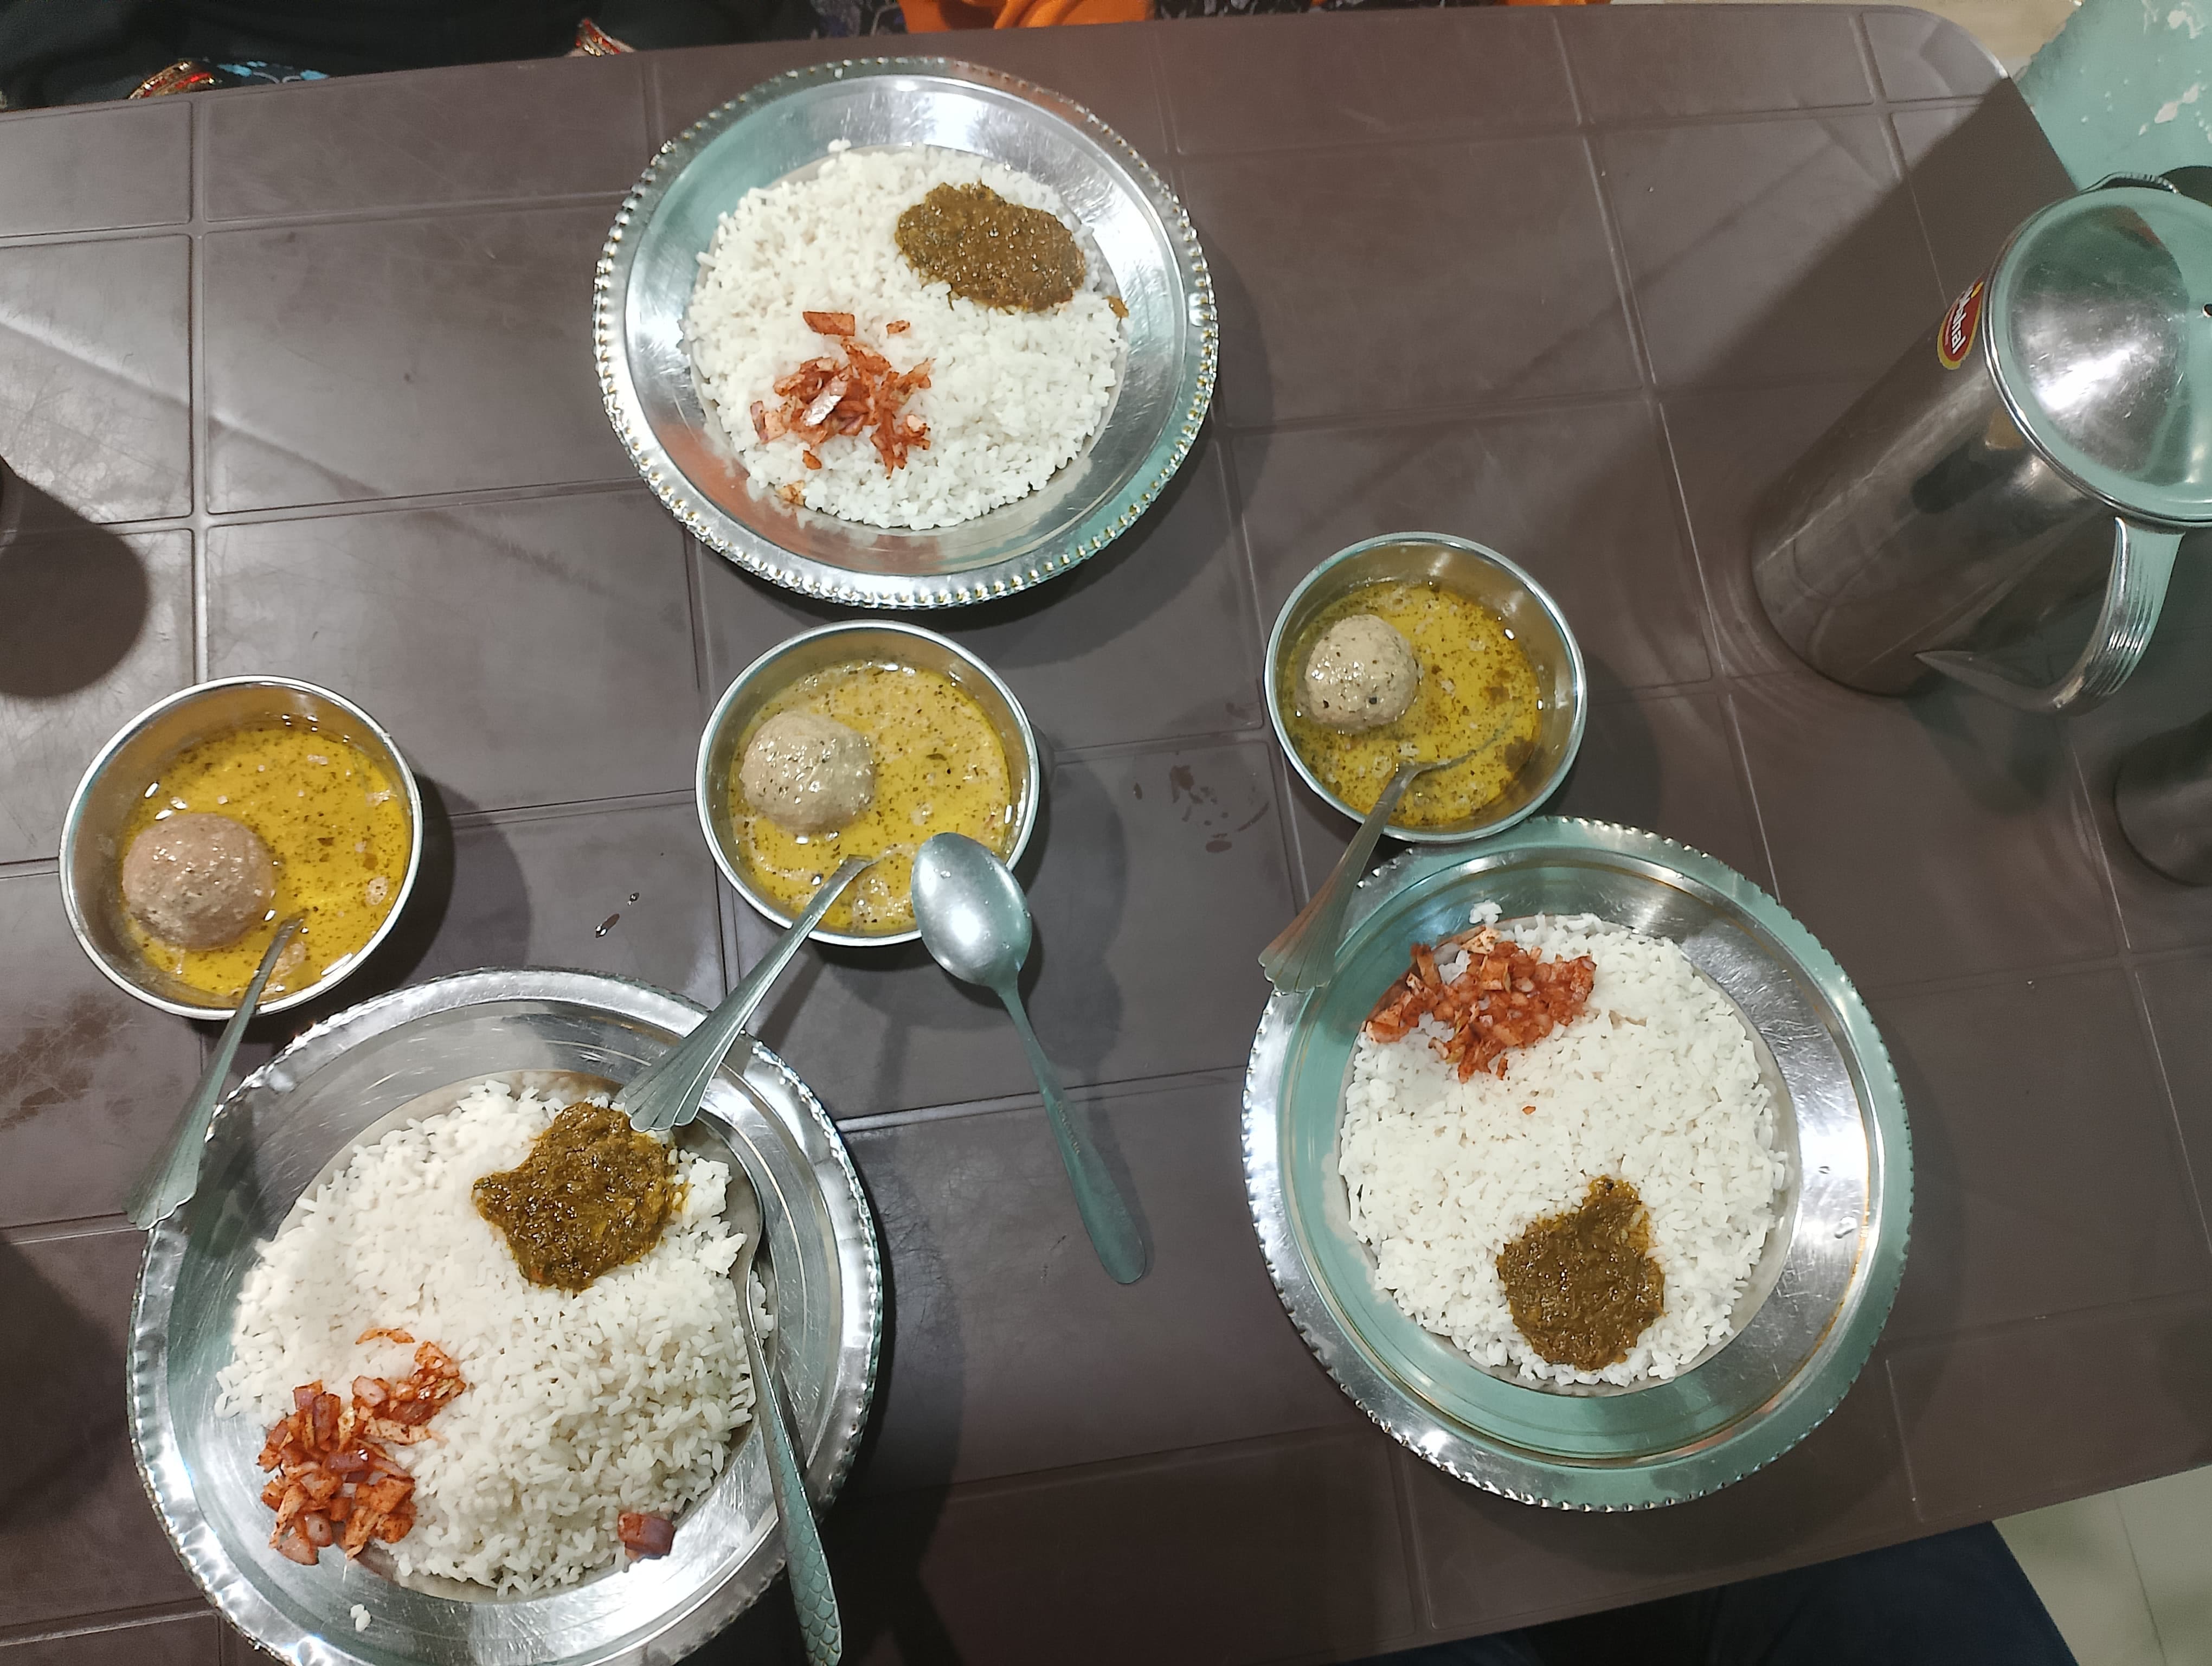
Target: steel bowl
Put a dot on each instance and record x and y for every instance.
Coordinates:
(1140, 245)
(91, 864)
(1816, 1302)
(810, 650)
(1472, 570)
(410, 1054)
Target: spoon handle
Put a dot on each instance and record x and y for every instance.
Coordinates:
(1097, 1199)
(172, 1178)
(812, 1592)
(666, 1094)
(1304, 956)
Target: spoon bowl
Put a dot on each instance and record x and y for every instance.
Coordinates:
(974, 919)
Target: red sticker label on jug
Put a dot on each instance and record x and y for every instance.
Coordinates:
(1955, 338)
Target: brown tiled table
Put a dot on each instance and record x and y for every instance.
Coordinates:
(295, 380)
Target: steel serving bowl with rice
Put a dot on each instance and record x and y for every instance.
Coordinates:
(364, 1134)
(1411, 1144)
(819, 397)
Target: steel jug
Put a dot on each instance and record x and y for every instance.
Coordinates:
(2051, 436)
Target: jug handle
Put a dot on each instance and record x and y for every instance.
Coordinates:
(2142, 563)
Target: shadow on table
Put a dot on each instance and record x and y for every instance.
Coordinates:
(1965, 192)
(876, 1544)
(1107, 610)
(1616, 774)
(66, 1416)
(73, 596)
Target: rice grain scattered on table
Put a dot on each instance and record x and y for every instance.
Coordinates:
(1013, 395)
(1657, 1083)
(579, 1406)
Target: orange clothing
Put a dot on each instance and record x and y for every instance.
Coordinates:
(925, 15)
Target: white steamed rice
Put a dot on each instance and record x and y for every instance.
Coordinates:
(1657, 1083)
(1012, 396)
(579, 1406)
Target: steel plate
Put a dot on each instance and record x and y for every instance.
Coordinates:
(415, 1048)
(1142, 248)
(1814, 1304)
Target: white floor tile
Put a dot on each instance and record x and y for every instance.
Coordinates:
(2169, 1524)
(2077, 1557)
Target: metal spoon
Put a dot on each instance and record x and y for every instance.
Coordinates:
(172, 1178)
(976, 922)
(1304, 956)
(666, 1094)
(811, 1593)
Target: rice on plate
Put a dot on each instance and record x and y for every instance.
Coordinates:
(1657, 1082)
(1010, 396)
(579, 1406)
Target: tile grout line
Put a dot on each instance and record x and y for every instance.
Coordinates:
(2148, 959)
(1885, 118)
(1479, 411)
(1992, 978)
(1495, 138)
(1158, 1460)
(522, 492)
(694, 597)
(2149, 1023)
(2184, 1302)
(516, 815)
(1709, 613)
(448, 210)
(1418, 1596)
(2096, 840)
(106, 1622)
(1262, 627)
(1108, 750)
(1468, 410)
(2142, 1589)
(1162, 106)
(1631, 314)
(198, 489)
(56, 1232)
(1287, 787)
(648, 82)
(1742, 753)
(1870, 66)
(1486, 410)
(1107, 1092)
(1904, 1442)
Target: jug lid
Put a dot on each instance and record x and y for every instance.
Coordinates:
(2100, 335)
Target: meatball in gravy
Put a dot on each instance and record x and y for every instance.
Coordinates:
(198, 880)
(808, 773)
(1361, 674)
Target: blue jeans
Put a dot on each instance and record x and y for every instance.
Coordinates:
(1957, 1599)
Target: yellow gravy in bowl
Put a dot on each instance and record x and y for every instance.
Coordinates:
(1477, 690)
(336, 826)
(939, 768)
